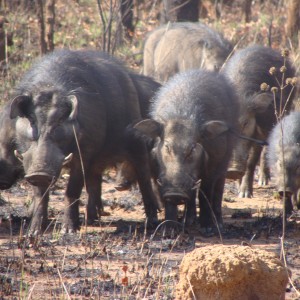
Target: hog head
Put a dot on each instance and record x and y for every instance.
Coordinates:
(181, 158)
(287, 174)
(44, 134)
(213, 56)
(249, 127)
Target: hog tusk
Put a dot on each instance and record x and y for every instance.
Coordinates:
(159, 182)
(18, 155)
(197, 185)
(68, 159)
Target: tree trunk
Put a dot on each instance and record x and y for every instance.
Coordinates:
(180, 11)
(247, 10)
(40, 16)
(126, 8)
(50, 13)
(293, 22)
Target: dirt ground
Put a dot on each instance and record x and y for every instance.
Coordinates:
(117, 258)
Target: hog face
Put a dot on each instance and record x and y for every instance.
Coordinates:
(44, 134)
(180, 156)
(213, 57)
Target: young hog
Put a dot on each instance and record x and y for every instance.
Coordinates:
(192, 116)
(11, 168)
(248, 69)
(284, 157)
(178, 47)
(73, 107)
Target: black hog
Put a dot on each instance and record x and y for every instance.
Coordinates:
(250, 72)
(192, 118)
(72, 108)
(284, 157)
(146, 88)
(11, 168)
(178, 47)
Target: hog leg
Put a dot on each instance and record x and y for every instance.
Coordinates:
(38, 210)
(205, 205)
(296, 199)
(94, 204)
(210, 197)
(191, 213)
(139, 158)
(264, 171)
(246, 187)
(149, 199)
(171, 212)
(73, 191)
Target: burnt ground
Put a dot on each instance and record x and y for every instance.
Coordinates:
(117, 258)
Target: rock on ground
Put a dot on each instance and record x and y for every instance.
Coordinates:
(231, 272)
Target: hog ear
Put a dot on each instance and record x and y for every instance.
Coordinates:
(74, 107)
(261, 102)
(149, 127)
(19, 106)
(212, 129)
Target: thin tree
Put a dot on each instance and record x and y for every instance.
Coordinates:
(180, 10)
(40, 16)
(293, 22)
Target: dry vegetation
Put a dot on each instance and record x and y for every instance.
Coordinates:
(117, 258)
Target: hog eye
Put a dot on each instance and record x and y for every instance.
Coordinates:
(190, 151)
(245, 124)
(168, 149)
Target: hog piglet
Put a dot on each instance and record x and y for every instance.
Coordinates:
(284, 158)
(11, 168)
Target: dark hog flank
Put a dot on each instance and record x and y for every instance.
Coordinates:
(193, 115)
(284, 159)
(93, 95)
(11, 168)
(177, 47)
(146, 88)
(248, 69)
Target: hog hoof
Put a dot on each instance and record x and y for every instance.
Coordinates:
(68, 230)
(207, 231)
(245, 194)
(263, 182)
(152, 223)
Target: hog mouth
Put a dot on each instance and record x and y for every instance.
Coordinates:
(176, 198)
(4, 185)
(40, 178)
(124, 186)
(234, 174)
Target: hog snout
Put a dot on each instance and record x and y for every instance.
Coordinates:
(236, 170)
(234, 174)
(176, 197)
(4, 185)
(40, 178)
(44, 170)
(287, 193)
